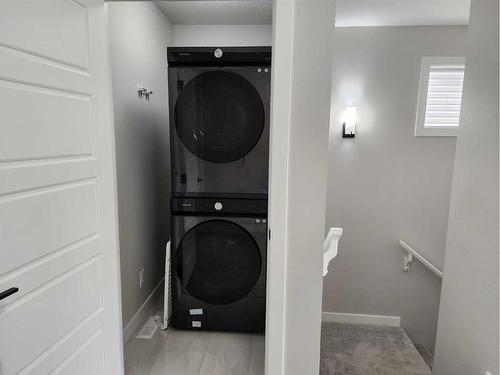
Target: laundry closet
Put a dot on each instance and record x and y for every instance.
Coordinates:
(191, 87)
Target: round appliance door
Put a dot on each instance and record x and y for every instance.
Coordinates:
(218, 262)
(219, 116)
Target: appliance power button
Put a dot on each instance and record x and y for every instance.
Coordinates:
(218, 206)
(218, 53)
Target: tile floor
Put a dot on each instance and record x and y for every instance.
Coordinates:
(177, 352)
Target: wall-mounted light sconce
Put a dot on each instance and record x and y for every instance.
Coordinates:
(349, 125)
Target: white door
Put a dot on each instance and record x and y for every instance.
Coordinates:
(58, 226)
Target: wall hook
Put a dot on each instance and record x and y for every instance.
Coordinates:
(144, 93)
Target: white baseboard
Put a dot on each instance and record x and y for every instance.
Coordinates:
(142, 314)
(375, 320)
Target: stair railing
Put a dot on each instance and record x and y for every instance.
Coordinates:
(413, 254)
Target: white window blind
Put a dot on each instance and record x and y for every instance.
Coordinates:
(444, 96)
(440, 97)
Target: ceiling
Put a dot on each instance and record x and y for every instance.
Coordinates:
(402, 12)
(218, 12)
(349, 12)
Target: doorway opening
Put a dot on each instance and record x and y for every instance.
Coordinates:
(388, 184)
(191, 87)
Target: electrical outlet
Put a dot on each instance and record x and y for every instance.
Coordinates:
(141, 278)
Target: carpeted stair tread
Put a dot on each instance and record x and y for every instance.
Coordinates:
(368, 350)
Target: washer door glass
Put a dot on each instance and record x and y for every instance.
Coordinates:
(218, 262)
(219, 116)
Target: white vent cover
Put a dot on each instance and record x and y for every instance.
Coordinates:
(440, 100)
(148, 329)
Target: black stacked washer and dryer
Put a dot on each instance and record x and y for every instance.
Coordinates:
(219, 130)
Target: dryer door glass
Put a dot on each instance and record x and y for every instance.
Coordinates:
(219, 116)
(218, 262)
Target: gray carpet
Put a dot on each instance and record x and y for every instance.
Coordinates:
(425, 354)
(368, 350)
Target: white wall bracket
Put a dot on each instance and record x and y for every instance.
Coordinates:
(407, 262)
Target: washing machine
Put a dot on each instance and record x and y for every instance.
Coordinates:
(218, 269)
(219, 121)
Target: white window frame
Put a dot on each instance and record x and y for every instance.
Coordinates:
(420, 129)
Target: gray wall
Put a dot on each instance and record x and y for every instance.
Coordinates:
(467, 340)
(222, 35)
(139, 35)
(386, 184)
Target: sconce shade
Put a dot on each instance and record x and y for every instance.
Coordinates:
(349, 125)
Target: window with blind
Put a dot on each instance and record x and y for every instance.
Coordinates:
(440, 97)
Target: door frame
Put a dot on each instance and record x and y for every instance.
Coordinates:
(110, 208)
(300, 118)
(279, 134)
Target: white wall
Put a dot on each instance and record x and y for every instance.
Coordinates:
(467, 340)
(386, 184)
(301, 87)
(222, 35)
(139, 35)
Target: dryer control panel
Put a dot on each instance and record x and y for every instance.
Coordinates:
(222, 206)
